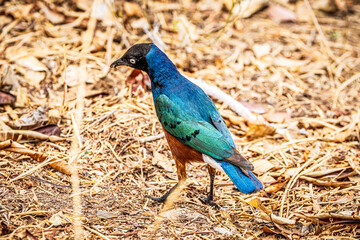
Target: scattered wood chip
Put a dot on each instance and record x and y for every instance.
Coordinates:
(280, 14)
(278, 117)
(259, 130)
(53, 16)
(132, 9)
(262, 166)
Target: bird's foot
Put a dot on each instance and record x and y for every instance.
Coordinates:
(163, 197)
(209, 200)
(157, 199)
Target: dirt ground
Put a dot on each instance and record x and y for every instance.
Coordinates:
(302, 76)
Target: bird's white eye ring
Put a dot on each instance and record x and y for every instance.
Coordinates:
(132, 61)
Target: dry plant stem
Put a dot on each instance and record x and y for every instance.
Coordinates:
(326, 184)
(28, 134)
(108, 52)
(76, 144)
(57, 164)
(41, 165)
(353, 166)
(100, 180)
(331, 216)
(276, 219)
(5, 144)
(354, 77)
(65, 83)
(324, 41)
(102, 236)
(293, 181)
(151, 138)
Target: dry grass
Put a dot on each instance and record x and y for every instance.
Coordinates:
(55, 59)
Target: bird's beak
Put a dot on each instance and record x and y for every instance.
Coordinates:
(119, 62)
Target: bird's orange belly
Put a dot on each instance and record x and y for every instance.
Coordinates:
(182, 152)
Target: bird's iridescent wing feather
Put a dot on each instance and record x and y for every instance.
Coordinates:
(200, 135)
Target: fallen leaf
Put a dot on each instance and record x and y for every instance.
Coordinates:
(280, 14)
(278, 117)
(8, 78)
(50, 130)
(222, 230)
(6, 98)
(33, 118)
(138, 79)
(275, 187)
(277, 219)
(58, 219)
(269, 230)
(256, 203)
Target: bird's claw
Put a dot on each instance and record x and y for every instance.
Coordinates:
(209, 201)
(157, 199)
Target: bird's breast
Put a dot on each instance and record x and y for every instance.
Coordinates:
(182, 152)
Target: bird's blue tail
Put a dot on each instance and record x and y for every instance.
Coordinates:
(244, 183)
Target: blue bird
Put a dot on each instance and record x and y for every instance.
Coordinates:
(193, 127)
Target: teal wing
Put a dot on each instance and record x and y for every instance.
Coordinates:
(198, 134)
(220, 125)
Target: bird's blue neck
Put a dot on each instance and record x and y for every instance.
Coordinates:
(161, 70)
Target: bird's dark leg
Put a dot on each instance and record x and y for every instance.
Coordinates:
(210, 197)
(163, 197)
(181, 172)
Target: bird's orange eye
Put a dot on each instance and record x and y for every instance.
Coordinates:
(132, 61)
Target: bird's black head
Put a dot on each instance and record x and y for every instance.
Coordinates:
(135, 57)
